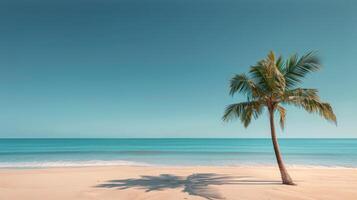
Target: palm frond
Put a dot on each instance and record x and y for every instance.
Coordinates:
(243, 84)
(282, 113)
(312, 105)
(259, 75)
(267, 74)
(280, 64)
(297, 68)
(245, 111)
(298, 93)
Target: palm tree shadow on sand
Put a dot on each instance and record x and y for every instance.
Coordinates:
(195, 184)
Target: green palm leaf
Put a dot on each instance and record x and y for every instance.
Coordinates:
(314, 106)
(243, 111)
(282, 112)
(297, 68)
(242, 84)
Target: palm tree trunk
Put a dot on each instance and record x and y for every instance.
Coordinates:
(284, 173)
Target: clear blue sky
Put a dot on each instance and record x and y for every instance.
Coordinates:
(160, 68)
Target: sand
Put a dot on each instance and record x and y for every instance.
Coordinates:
(175, 183)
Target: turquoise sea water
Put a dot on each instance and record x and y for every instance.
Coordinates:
(30, 153)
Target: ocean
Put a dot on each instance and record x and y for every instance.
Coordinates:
(34, 153)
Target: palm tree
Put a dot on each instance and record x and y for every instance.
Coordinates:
(271, 83)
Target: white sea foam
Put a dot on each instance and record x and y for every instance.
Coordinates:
(89, 163)
(93, 163)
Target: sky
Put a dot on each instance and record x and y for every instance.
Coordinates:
(161, 68)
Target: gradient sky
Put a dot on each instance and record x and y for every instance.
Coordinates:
(160, 68)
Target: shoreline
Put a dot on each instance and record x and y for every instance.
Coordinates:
(109, 164)
(176, 183)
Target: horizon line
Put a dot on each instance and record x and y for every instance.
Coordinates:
(1, 138)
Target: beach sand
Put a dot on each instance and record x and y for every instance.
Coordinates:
(175, 183)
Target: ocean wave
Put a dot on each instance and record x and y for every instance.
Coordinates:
(98, 163)
(135, 152)
(89, 163)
